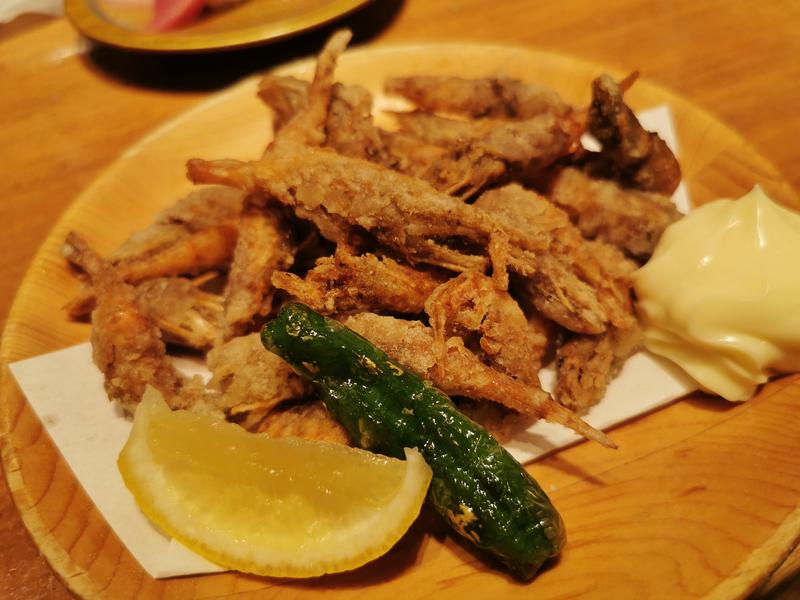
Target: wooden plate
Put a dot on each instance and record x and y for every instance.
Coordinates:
(701, 498)
(247, 24)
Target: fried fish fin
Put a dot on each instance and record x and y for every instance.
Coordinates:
(184, 313)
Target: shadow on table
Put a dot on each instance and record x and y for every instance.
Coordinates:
(215, 70)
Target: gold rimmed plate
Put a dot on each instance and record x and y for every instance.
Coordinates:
(249, 23)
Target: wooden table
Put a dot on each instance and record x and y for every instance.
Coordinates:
(70, 109)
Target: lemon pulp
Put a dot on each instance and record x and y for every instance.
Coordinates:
(282, 507)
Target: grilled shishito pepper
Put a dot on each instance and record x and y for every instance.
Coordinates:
(478, 487)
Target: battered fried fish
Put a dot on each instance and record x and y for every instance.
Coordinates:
(630, 219)
(410, 343)
(196, 235)
(472, 304)
(307, 126)
(182, 311)
(126, 345)
(250, 379)
(631, 155)
(569, 286)
(492, 97)
(202, 208)
(264, 246)
(285, 95)
(586, 364)
(309, 420)
(480, 152)
(349, 128)
(345, 283)
(404, 213)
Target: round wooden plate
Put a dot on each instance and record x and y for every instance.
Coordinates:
(700, 499)
(247, 24)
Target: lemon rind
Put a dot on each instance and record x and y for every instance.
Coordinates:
(352, 547)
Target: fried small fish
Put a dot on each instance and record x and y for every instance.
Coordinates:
(630, 154)
(126, 345)
(472, 304)
(248, 378)
(630, 219)
(490, 97)
(410, 343)
(346, 282)
(264, 245)
(182, 311)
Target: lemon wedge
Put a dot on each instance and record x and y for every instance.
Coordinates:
(281, 507)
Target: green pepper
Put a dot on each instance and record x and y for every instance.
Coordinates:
(477, 486)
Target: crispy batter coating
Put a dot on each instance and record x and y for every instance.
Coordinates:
(411, 217)
(404, 213)
(457, 157)
(126, 345)
(203, 207)
(196, 235)
(536, 141)
(249, 378)
(569, 286)
(631, 155)
(345, 283)
(184, 313)
(472, 303)
(349, 128)
(586, 364)
(264, 245)
(192, 254)
(492, 97)
(285, 95)
(310, 421)
(410, 343)
(392, 203)
(630, 219)
(480, 152)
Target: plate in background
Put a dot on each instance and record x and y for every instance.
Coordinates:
(249, 23)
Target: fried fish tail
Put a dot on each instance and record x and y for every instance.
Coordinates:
(308, 125)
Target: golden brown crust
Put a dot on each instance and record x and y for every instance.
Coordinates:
(248, 378)
(491, 97)
(346, 282)
(310, 421)
(263, 246)
(629, 219)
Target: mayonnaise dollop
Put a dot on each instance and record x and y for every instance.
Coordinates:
(721, 294)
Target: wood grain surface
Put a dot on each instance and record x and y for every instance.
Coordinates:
(70, 112)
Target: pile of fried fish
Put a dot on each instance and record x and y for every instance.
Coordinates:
(474, 242)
